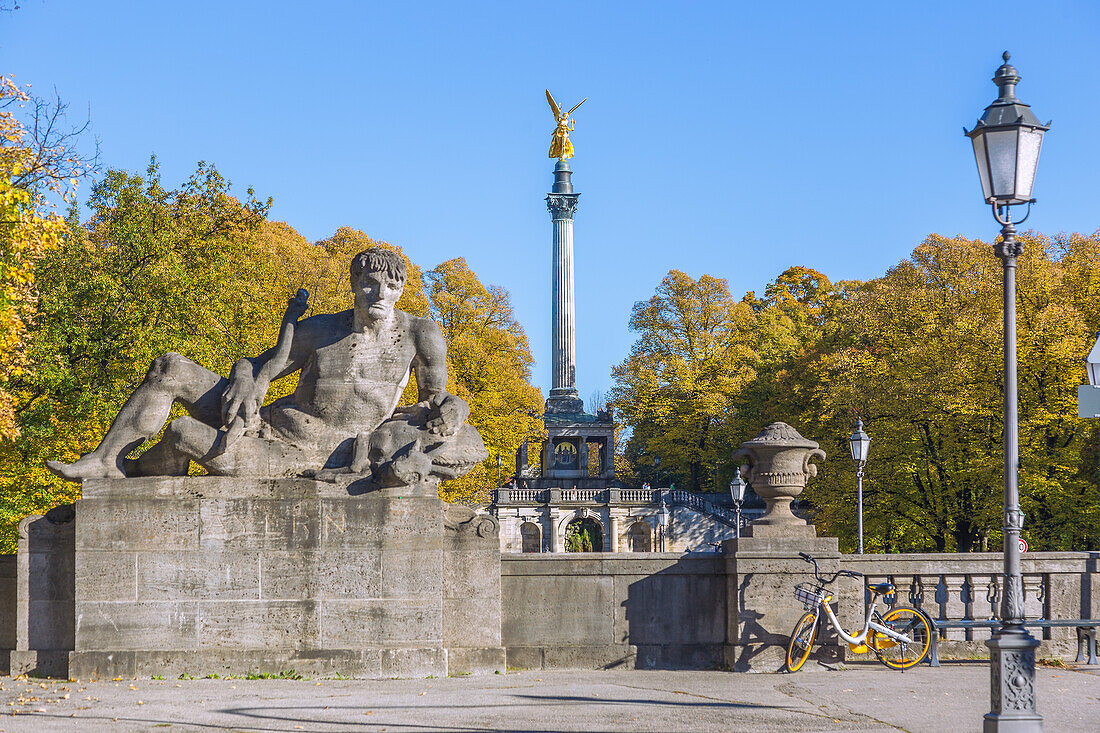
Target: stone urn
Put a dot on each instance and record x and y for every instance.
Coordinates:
(779, 466)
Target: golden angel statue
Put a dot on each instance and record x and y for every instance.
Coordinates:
(560, 147)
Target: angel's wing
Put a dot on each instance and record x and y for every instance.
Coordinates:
(553, 105)
(577, 105)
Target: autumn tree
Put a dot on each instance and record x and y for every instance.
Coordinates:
(677, 391)
(154, 270)
(489, 365)
(36, 161)
(918, 354)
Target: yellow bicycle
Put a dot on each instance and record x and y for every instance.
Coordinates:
(900, 637)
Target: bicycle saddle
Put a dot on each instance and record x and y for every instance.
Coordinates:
(882, 589)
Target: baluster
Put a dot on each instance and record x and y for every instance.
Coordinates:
(967, 596)
(1033, 599)
(954, 606)
(991, 607)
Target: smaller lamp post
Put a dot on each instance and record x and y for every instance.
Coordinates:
(498, 469)
(662, 520)
(737, 492)
(859, 442)
(1088, 395)
(657, 466)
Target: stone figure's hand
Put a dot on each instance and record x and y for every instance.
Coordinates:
(240, 396)
(447, 415)
(297, 305)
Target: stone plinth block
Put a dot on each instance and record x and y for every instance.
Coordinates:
(236, 575)
(761, 574)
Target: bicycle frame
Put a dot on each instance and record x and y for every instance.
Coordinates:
(860, 638)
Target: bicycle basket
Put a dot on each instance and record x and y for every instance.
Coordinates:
(809, 595)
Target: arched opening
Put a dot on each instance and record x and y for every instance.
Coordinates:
(530, 537)
(640, 537)
(584, 535)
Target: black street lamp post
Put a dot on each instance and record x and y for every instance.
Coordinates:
(1007, 140)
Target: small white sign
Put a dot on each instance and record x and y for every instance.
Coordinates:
(1088, 401)
(1023, 545)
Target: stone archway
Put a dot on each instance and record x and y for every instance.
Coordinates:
(640, 537)
(530, 537)
(584, 534)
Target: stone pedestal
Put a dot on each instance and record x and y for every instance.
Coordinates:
(44, 594)
(228, 575)
(761, 573)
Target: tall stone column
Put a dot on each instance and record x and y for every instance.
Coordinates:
(562, 203)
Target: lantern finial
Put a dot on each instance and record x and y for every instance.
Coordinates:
(1006, 78)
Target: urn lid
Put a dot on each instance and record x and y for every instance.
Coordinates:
(780, 434)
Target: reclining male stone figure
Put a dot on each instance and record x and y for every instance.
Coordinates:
(341, 418)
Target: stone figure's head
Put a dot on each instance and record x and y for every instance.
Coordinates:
(377, 281)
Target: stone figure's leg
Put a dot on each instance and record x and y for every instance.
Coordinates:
(171, 378)
(162, 459)
(247, 456)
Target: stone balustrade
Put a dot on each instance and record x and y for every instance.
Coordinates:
(658, 610)
(967, 587)
(661, 610)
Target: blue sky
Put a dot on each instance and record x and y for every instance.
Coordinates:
(734, 139)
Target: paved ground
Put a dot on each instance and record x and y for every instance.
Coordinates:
(862, 697)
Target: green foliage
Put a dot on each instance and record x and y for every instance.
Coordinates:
(286, 674)
(154, 270)
(917, 354)
(489, 365)
(583, 535)
(196, 271)
(676, 390)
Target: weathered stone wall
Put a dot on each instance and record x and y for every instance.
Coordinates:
(662, 610)
(203, 575)
(45, 589)
(168, 576)
(8, 599)
(653, 610)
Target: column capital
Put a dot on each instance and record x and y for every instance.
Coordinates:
(562, 205)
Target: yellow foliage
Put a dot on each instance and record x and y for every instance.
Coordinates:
(28, 228)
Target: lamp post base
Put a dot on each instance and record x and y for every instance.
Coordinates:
(1012, 683)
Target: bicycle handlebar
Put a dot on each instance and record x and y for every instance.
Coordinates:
(837, 574)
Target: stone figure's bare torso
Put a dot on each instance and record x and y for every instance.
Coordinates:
(349, 384)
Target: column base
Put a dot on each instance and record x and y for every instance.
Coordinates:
(1012, 683)
(564, 401)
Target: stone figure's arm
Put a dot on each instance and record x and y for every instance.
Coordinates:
(238, 421)
(250, 377)
(447, 411)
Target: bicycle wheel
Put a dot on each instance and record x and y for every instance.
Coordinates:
(903, 655)
(802, 641)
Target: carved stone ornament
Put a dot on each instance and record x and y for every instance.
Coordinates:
(779, 466)
(463, 520)
(561, 205)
